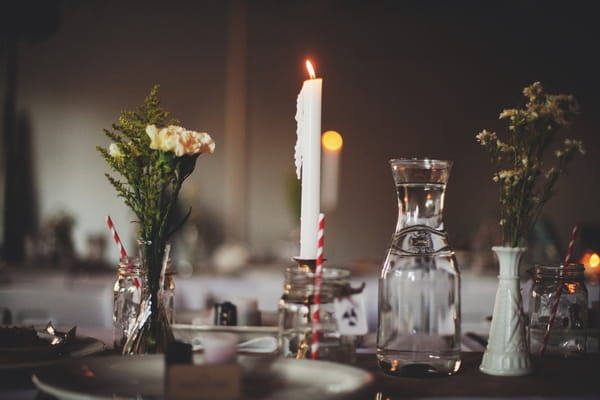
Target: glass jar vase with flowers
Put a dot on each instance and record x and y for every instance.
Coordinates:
(153, 156)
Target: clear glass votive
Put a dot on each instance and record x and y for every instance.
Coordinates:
(296, 308)
(562, 288)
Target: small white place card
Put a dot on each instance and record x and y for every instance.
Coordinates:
(351, 314)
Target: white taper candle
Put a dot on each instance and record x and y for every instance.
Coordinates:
(309, 133)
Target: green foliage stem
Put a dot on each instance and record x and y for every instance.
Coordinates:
(148, 180)
(524, 183)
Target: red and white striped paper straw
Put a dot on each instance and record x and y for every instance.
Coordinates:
(558, 292)
(316, 317)
(571, 244)
(115, 236)
(119, 244)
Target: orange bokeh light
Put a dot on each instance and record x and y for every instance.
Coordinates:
(591, 260)
(332, 140)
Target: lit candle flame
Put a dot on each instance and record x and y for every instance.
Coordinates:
(310, 69)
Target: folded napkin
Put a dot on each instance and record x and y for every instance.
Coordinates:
(263, 344)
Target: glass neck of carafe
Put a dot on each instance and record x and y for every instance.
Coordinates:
(420, 186)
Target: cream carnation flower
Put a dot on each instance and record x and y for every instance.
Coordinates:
(179, 140)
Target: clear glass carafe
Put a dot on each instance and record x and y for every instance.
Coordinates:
(419, 285)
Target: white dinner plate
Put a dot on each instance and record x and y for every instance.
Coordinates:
(33, 357)
(142, 377)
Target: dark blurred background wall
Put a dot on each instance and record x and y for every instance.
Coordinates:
(401, 79)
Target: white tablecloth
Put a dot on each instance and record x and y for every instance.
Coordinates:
(87, 300)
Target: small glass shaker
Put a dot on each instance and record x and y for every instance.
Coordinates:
(562, 288)
(127, 295)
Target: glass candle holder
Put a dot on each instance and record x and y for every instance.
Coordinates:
(296, 308)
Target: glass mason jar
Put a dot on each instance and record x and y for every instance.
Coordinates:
(151, 333)
(127, 296)
(296, 308)
(418, 330)
(562, 288)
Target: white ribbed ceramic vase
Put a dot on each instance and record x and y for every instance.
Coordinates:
(507, 353)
